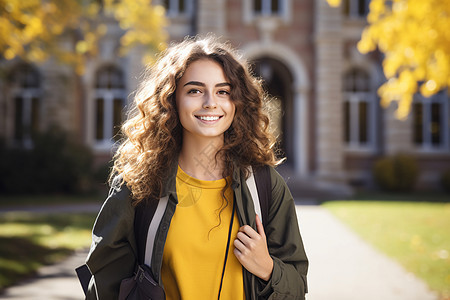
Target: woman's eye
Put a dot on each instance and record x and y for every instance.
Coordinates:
(224, 92)
(194, 91)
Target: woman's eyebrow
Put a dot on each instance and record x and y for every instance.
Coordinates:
(198, 83)
(223, 84)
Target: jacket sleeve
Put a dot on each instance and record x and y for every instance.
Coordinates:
(288, 280)
(112, 256)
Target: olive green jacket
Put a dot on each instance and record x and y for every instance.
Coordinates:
(113, 252)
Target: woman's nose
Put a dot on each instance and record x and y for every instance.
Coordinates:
(209, 101)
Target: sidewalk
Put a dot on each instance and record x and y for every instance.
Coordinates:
(342, 267)
(56, 282)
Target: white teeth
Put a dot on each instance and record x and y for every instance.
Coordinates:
(208, 118)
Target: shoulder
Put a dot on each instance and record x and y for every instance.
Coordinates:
(280, 190)
(277, 180)
(119, 198)
(116, 217)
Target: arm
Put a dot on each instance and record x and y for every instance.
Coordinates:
(112, 256)
(275, 254)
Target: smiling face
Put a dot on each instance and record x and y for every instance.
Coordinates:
(203, 100)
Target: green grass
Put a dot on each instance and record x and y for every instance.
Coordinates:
(416, 234)
(33, 200)
(29, 241)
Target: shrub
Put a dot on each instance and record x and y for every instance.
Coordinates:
(397, 173)
(55, 164)
(445, 180)
(101, 174)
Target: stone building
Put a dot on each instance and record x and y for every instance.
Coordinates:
(331, 125)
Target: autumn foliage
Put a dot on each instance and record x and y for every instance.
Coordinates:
(414, 37)
(69, 30)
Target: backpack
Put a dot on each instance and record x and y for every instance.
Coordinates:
(149, 218)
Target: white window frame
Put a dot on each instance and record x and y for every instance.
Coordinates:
(284, 13)
(27, 94)
(355, 98)
(353, 8)
(427, 145)
(174, 9)
(108, 96)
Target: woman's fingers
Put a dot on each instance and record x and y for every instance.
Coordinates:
(244, 238)
(260, 227)
(251, 250)
(249, 231)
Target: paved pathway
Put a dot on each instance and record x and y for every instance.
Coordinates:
(56, 282)
(342, 267)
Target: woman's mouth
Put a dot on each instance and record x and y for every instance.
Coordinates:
(208, 118)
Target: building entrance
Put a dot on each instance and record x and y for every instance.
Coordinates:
(278, 82)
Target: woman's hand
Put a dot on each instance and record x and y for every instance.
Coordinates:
(251, 250)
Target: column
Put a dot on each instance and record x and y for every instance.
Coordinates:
(328, 96)
(211, 17)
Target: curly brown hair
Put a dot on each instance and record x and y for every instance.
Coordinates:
(153, 133)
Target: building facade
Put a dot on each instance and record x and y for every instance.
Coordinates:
(330, 124)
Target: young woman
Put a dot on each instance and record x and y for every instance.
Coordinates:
(197, 130)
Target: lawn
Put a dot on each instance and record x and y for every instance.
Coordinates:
(416, 234)
(29, 241)
(27, 201)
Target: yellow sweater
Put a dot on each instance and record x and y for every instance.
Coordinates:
(195, 247)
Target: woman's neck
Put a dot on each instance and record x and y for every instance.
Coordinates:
(198, 158)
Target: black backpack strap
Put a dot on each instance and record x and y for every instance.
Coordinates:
(143, 216)
(264, 187)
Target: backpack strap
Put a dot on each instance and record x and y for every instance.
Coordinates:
(146, 222)
(251, 184)
(264, 186)
(260, 186)
(153, 228)
(143, 216)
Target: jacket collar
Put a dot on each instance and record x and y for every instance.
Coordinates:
(170, 186)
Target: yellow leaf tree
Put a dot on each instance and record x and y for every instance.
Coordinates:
(414, 37)
(68, 30)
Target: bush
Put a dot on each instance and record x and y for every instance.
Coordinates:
(397, 173)
(445, 180)
(55, 164)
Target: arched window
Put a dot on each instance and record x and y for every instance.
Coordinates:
(359, 110)
(431, 119)
(108, 105)
(27, 104)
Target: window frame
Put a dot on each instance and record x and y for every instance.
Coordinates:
(28, 93)
(353, 7)
(108, 95)
(354, 98)
(427, 145)
(173, 11)
(284, 12)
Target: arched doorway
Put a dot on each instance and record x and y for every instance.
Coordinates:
(278, 83)
(298, 129)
